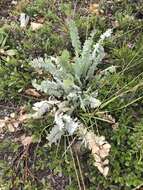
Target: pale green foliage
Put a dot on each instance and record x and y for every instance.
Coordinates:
(71, 80)
(63, 123)
(68, 86)
(75, 37)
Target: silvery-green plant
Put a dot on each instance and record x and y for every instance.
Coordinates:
(69, 86)
(71, 78)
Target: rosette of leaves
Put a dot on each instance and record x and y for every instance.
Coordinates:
(68, 85)
(71, 78)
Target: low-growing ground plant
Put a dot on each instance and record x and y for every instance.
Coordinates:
(69, 90)
(72, 105)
